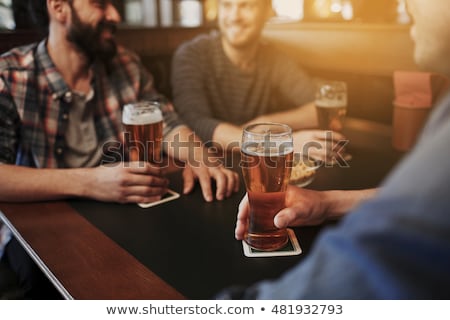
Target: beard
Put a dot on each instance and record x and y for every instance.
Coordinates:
(88, 39)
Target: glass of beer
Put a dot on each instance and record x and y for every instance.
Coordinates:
(143, 131)
(266, 161)
(331, 108)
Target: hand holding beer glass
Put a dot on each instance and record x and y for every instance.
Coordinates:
(267, 154)
(143, 131)
(331, 107)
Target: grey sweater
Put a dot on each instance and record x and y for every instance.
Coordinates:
(208, 89)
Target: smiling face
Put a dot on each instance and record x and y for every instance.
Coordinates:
(241, 21)
(92, 28)
(431, 34)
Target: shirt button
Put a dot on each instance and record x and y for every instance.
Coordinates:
(68, 97)
(59, 151)
(65, 116)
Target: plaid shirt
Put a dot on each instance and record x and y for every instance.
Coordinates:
(35, 102)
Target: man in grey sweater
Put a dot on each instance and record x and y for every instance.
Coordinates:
(228, 79)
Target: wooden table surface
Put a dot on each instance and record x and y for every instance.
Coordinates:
(181, 249)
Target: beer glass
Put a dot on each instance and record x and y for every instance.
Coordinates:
(143, 128)
(331, 108)
(266, 161)
(331, 104)
(143, 131)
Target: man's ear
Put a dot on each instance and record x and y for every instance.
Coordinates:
(58, 9)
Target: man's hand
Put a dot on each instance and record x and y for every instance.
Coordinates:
(303, 207)
(307, 207)
(227, 181)
(319, 144)
(137, 182)
(201, 165)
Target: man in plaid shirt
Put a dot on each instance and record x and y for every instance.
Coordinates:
(60, 111)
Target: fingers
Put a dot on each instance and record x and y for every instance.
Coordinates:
(324, 135)
(318, 154)
(142, 182)
(227, 183)
(242, 219)
(221, 183)
(298, 216)
(243, 208)
(205, 183)
(285, 218)
(141, 199)
(142, 176)
(188, 180)
(140, 167)
(142, 194)
(146, 180)
(226, 180)
(338, 136)
(241, 229)
(321, 145)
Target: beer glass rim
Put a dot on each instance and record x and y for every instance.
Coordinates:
(334, 85)
(144, 108)
(288, 129)
(322, 82)
(143, 104)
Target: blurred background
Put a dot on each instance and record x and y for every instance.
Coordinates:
(362, 42)
(194, 13)
(197, 12)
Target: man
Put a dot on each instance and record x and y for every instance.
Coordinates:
(69, 69)
(60, 110)
(397, 245)
(224, 81)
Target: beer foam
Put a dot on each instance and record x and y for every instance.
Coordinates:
(141, 117)
(279, 149)
(331, 103)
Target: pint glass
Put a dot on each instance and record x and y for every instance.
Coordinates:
(267, 153)
(331, 104)
(143, 128)
(331, 107)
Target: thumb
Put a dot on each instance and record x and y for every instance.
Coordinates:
(284, 218)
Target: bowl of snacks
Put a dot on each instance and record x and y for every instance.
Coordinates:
(303, 170)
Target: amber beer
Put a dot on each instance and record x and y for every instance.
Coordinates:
(331, 104)
(266, 167)
(143, 130)
(331, 115)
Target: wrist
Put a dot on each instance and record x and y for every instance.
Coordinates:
(338, 202)
(81, 182)
(335, 203)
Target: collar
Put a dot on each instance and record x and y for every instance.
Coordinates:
(55, 81)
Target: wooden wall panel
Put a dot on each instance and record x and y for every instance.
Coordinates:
(351, 48)
(364, 55)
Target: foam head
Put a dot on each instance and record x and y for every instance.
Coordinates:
(141, 113)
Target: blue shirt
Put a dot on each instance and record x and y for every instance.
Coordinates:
(396, 246)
